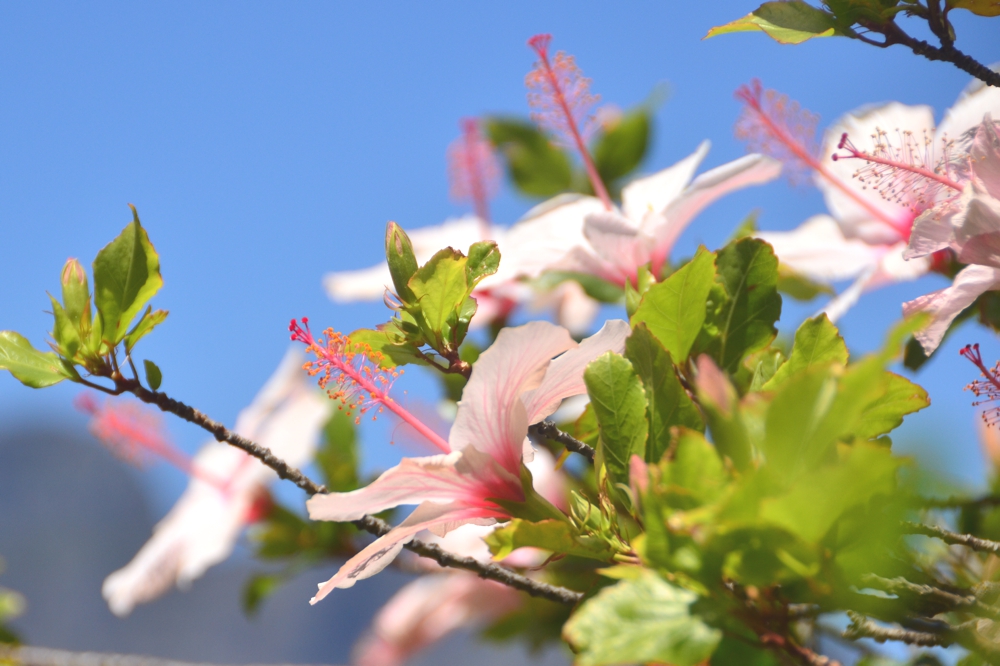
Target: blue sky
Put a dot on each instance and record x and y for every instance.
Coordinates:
(267, 143)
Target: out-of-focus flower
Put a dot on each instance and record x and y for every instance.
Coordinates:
(613, 244)
(969, 225)
(873, 195)
(516, 382)
(441, 601)
(226, 492)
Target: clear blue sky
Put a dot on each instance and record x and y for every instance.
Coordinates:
(267, 143)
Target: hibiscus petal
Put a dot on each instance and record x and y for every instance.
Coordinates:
(491, 416)
(967, 112)
(978, 230)
(708, 187)
(413, 481)
(564, 377)
(946, 304)
(819, 250)
(381, 552)
(932, 231)
(860, 126)
(652, 194)
(985, 153)
(616, 240)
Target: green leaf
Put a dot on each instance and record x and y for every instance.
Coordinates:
(126, 275)
(668, 402)
(749, 271)
(819, 497)
(619, 403)
(483, 260)
(674, 310)
(638, 621)
(799, 286)
(899, 398)
(817, 342)
(401, 260)
(393, 349)
(787, 22)
(337, 459)
(440, 288)
(977, 7)
(65, 332)
(798, 429)
(257, 589)
(28, 365)
(149, 321)
(696, 469)
(154, 377)
(620, 150)
(536, 167)
(556, 536)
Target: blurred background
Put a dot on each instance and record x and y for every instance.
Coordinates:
(265, 144)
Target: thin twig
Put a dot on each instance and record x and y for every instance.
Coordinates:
(953, 538)
(369, 524)
(941, 601)
(862, 627)
(39, 656)
(548, 430)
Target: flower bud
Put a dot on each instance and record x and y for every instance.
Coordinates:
(402, 262)
(75, 291)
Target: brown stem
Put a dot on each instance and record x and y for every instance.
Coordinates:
(945, 53)
(369, 524)
(548, 430)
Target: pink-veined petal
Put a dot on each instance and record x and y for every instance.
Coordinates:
(860, 125)
(380, 553)
(564, 376)
(651, 195)
(945, 304)
(616, 240)
(491, 416)
(704, 190)
(967, 112)
(413, 481)
(932, 230)
(985, 154)
(977, 229)
(819, 250)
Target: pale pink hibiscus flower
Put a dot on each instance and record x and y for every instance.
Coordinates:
(443, 600)
(521, 379)
(969, 225)
(891, 165)
(226, 489)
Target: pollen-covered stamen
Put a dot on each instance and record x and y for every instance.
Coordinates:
(774, 125)
(474, 171)
(901, 172)
(353, 374)
(133, 434)
(561, 98)
(987, 388)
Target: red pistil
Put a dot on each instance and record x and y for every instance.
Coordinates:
(473, 171)
(900, 173)
(352, 373)
(561, 97)
(770, 120)
(987, 388)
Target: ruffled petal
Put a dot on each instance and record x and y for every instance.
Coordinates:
(819, 250)
(652, 194)
(491, 416)
(381, 552)
(564, 377)
(977, 229)
(413, 481)
(967, 112)
(985, 154)
(860, 125)
(946, 304)
(932, 231)
(707, 188)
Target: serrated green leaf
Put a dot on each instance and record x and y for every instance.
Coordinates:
(534, 165)
(483, 260)
(440, 288)
(619, 403)
(674, 310)
(126, 276)
(620, 150)
(144, 326)
(696, 469)
(817, 342)
(154, 376)
(748, 270)
(337, 458)
(668, 403)
(787, 22)
(555, 536)
(28, 365)
(639, 621)
(898, 398)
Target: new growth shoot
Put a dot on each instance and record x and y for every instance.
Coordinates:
(352, 374)
(987, 388)
(474, 171)
(561, 98)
